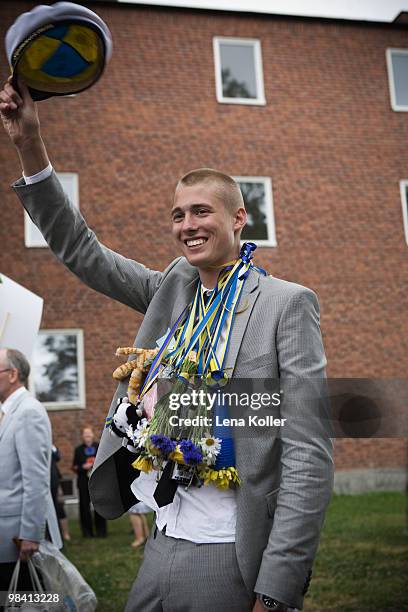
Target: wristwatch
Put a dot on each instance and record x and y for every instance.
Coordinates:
(271, 604)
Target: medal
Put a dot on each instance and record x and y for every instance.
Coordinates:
(183, 474)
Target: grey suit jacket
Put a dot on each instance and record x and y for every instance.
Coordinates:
(286, 482)
(26, 506)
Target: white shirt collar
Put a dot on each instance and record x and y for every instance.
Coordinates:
(10, 400)
(205, 290)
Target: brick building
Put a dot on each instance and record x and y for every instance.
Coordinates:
(306, 112)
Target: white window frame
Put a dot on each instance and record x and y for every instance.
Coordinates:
(391, 81)
(70, 183)
(256, 44)
(270, 215)
(72, 405)
(404, 202)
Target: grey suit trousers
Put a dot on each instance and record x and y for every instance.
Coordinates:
(181, 576)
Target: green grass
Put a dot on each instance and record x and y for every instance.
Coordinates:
(109, 564)
(362, 563)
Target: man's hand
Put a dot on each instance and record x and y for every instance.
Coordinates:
(20, 119)
(27, 549)
(19, 115)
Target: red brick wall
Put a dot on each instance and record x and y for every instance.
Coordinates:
(328, 138)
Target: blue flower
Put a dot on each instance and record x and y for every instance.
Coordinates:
(192, 454)
(163, 443)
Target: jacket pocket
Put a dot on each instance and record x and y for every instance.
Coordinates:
(11, 509)
(258, 362)
(271, 499)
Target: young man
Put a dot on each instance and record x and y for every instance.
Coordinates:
(242, 549)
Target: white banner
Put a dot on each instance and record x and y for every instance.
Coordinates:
(20, 316)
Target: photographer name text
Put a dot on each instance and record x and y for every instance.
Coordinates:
(206, 421)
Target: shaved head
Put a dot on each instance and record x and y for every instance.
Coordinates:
(225, 188)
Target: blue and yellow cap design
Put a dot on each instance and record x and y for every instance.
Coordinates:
(64, 59)
(59, 57)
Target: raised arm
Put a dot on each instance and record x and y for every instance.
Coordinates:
(61, 224)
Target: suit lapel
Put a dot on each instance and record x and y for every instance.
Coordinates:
(7, 419)
(183, 299)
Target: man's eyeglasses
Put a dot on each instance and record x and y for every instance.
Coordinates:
(6, 370)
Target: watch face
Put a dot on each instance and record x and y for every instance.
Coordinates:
(270, 603)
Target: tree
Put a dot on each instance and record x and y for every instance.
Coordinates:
(231, 88)
(254, 198)
(61, 372)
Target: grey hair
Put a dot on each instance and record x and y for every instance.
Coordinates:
(16, 359)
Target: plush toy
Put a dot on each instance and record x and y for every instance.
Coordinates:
(125, 415)
(129, 410)
(137, 368)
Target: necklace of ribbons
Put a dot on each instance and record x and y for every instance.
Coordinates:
(199, 326)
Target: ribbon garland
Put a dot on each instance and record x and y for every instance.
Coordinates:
(201, 330)
(205, 330)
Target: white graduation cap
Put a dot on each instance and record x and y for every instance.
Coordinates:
(20, 316)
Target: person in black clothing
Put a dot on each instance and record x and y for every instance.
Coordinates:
(58, 503)
(84, 458)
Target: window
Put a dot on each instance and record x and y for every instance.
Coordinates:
(32, 235)
(397, 64)
(238, 71)
(404, 202)
(57, 378)
(257, 194)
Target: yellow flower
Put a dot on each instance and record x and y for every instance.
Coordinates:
(223, 483)
(143, 464)
(221, 478)
(205, 474)
(177, 456)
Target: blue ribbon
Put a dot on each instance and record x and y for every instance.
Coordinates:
(246, 252)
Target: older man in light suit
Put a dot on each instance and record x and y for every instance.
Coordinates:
(208, 552)
(26, 508)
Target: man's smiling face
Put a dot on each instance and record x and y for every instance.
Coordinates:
(203, 227)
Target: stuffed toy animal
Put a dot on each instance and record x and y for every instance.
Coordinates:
(129, 410)
(126, 415)
(137, 368)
